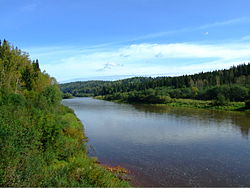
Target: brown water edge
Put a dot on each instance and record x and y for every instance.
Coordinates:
(130, 173)
(118, 170)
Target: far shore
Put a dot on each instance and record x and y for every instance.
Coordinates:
(191, 103)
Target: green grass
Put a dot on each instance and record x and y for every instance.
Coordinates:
(44, 148)
(191, 103)
(79, 169)
(230, 106)
(99, 97)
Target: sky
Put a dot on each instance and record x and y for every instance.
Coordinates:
(115, 39)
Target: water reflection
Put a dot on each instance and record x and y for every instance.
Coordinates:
(240, 119)
(168, 146)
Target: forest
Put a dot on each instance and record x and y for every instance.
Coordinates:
(218, 87)
(42, 142)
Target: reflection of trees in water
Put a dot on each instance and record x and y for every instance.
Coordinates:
(241, 120)
(244, 132)
(244, 125)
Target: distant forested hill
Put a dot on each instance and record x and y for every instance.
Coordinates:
(233, 84)
(86, 88)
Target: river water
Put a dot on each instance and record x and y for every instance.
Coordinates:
(166, 146)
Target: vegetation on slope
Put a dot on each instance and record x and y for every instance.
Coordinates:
(83, 89)
(41, 141)
(220, 88)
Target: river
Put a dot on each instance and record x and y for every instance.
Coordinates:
(166, 146)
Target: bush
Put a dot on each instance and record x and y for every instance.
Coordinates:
(17, 100)
(167, 99)
(67, 96)
(52, 94)
(238, 93)
(221, 100)
(247, 104)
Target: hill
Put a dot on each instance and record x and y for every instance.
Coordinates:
(222, 86)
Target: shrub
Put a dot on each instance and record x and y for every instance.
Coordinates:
(67, 96)
(247, 104)
(166, 99)
(16, 99)
(220, 100)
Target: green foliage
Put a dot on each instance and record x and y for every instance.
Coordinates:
(167, 99)
(52, 94)
(231, 92)
(67, 96)
(220, 100)
(238, 93)
(16, 100)
(247, 104)
(233, 83)
(42, 143)
(195, 91)
(79, 89)
(222, 90)
(221, 87)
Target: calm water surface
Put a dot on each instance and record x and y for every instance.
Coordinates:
(164, 146)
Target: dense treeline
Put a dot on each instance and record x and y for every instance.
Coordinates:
(41, 141)
(83, 89)
(223, 85)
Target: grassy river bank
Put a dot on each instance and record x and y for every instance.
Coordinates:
(42, 142)
(190, 103)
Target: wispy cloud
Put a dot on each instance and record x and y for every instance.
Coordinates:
(202, 28)
(109, 66)
(120, 58)
(29, 7)
(246, 38)
(240, 20)
(150, 59)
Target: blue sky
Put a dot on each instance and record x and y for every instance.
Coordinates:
(113, 39)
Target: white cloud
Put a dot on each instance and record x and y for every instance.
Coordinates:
(29, 7)
(144, 59)
(179, 50)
